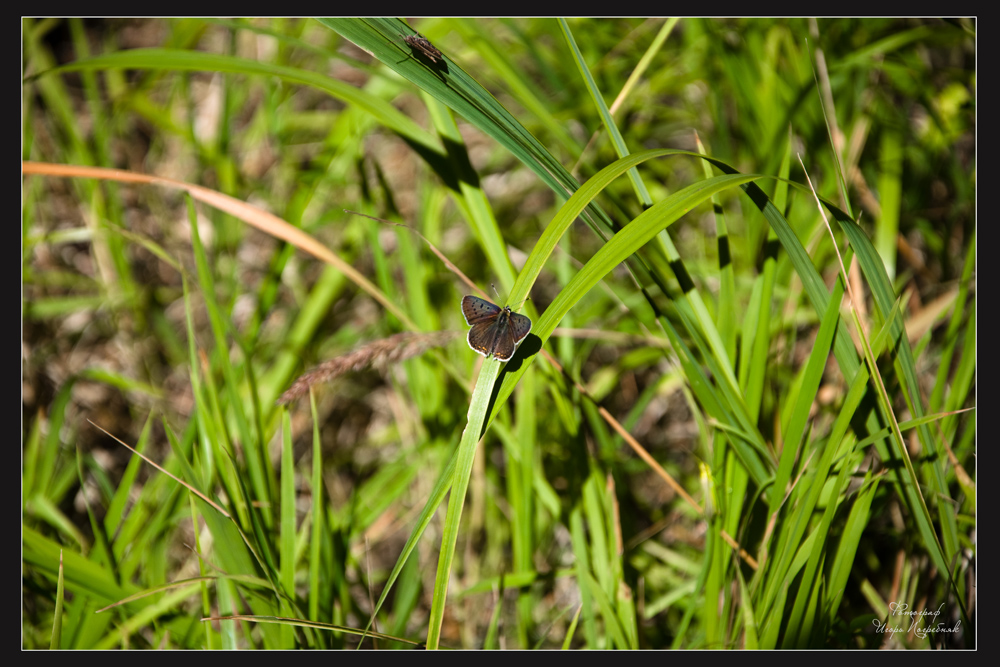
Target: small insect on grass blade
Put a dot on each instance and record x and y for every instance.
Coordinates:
(494, 330)
(419, 43)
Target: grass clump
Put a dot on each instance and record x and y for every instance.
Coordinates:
(702, 443)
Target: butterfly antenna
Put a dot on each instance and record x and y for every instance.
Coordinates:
(501, 300)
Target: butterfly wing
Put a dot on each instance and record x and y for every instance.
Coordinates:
(510, 333)
(483, 335)
(476, 310)
(520, 325)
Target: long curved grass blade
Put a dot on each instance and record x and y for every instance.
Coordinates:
(624, 244)
(441, 487)
(314, 625)
(478, 408)
(197, 61)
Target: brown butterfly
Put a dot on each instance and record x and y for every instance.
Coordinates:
(495, 330)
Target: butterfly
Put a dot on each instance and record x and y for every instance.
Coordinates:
(495, 330)
(420, 43)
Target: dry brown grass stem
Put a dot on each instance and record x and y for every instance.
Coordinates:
(433, 248)
(379, 354)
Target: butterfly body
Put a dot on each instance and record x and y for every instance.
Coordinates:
(494, 330)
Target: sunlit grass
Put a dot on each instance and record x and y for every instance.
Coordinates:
(700, 444)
